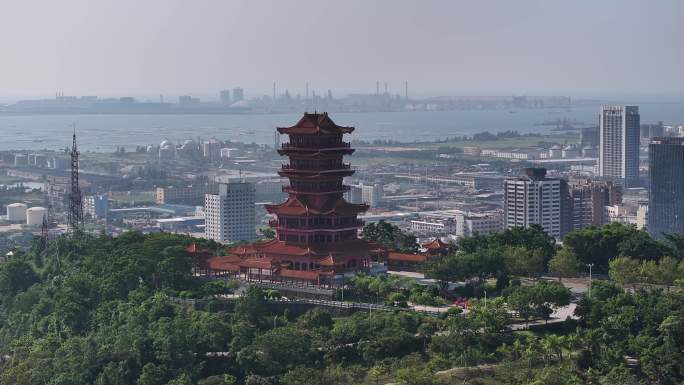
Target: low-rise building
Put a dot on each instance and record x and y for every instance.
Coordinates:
(482, 224)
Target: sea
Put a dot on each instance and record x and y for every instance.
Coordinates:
(104, 133)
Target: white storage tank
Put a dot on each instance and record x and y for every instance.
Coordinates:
(35, 215)
(16, 212)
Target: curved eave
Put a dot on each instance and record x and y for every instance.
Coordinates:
(318, 175)
(310, 153)
(315, 130)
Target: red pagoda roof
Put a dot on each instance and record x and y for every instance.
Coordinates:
(327, 253)
(436, 244)
(315, 123)
(228, 262)
(299, 274)
(404, 257)
(293, 206)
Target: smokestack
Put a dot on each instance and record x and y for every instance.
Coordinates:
(307, 90)
(385, 88)
(377, 87)
(406, 89)
(274, 90)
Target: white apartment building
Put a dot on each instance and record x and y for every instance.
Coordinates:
(482, 224)
(619, 143)
(457, 224)
(533, 199)
(230, 215)
(365, 193)
(433, 227)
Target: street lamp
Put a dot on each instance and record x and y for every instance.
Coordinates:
(590, 265)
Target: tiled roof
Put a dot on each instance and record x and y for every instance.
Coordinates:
(294, 206)
(316, 123)
(299, 274)
(435, 244)
(404, 257)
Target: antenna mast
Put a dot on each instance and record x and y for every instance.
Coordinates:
(75, 199)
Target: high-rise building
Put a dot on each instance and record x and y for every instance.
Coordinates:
(666, 183)
(211, 149)
(588, 199)
(184, 195)
(238, 94)
(230, 214)
(619, 144)
(224, 96)
(649, 131)
(534, 199)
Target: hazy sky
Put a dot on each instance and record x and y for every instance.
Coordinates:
(134, 47)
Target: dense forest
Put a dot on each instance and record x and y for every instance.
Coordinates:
(102, 310)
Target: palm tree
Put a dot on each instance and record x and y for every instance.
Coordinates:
(554, 344)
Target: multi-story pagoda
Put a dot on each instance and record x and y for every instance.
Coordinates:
(316, 229)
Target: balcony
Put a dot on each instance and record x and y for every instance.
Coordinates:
(339, 167)
(317, 190)
(299, 226)
(315, 146)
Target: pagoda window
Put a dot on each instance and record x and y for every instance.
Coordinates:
(311, 265)
(296, 266)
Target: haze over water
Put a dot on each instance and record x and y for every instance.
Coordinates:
(104, 133)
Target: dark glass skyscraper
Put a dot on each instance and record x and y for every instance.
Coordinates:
(666, 182)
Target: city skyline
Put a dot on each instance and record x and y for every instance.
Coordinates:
(499, 48)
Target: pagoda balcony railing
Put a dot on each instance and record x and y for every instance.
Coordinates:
(331, 190)
(333, 226)
(322, 146)
(343, 166)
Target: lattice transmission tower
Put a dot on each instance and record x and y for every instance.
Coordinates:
(75, 220)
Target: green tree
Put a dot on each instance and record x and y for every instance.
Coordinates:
(413, 376)
(539, 300)
(445, 269)
(669, 272)
(523, 261)
(152, 375)
(225, 379)
(183, 379)
(390, 236)
(252, 305)
(624, 270)
(563, 264)
(267, 232)
(304, 376)
(16, 275)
